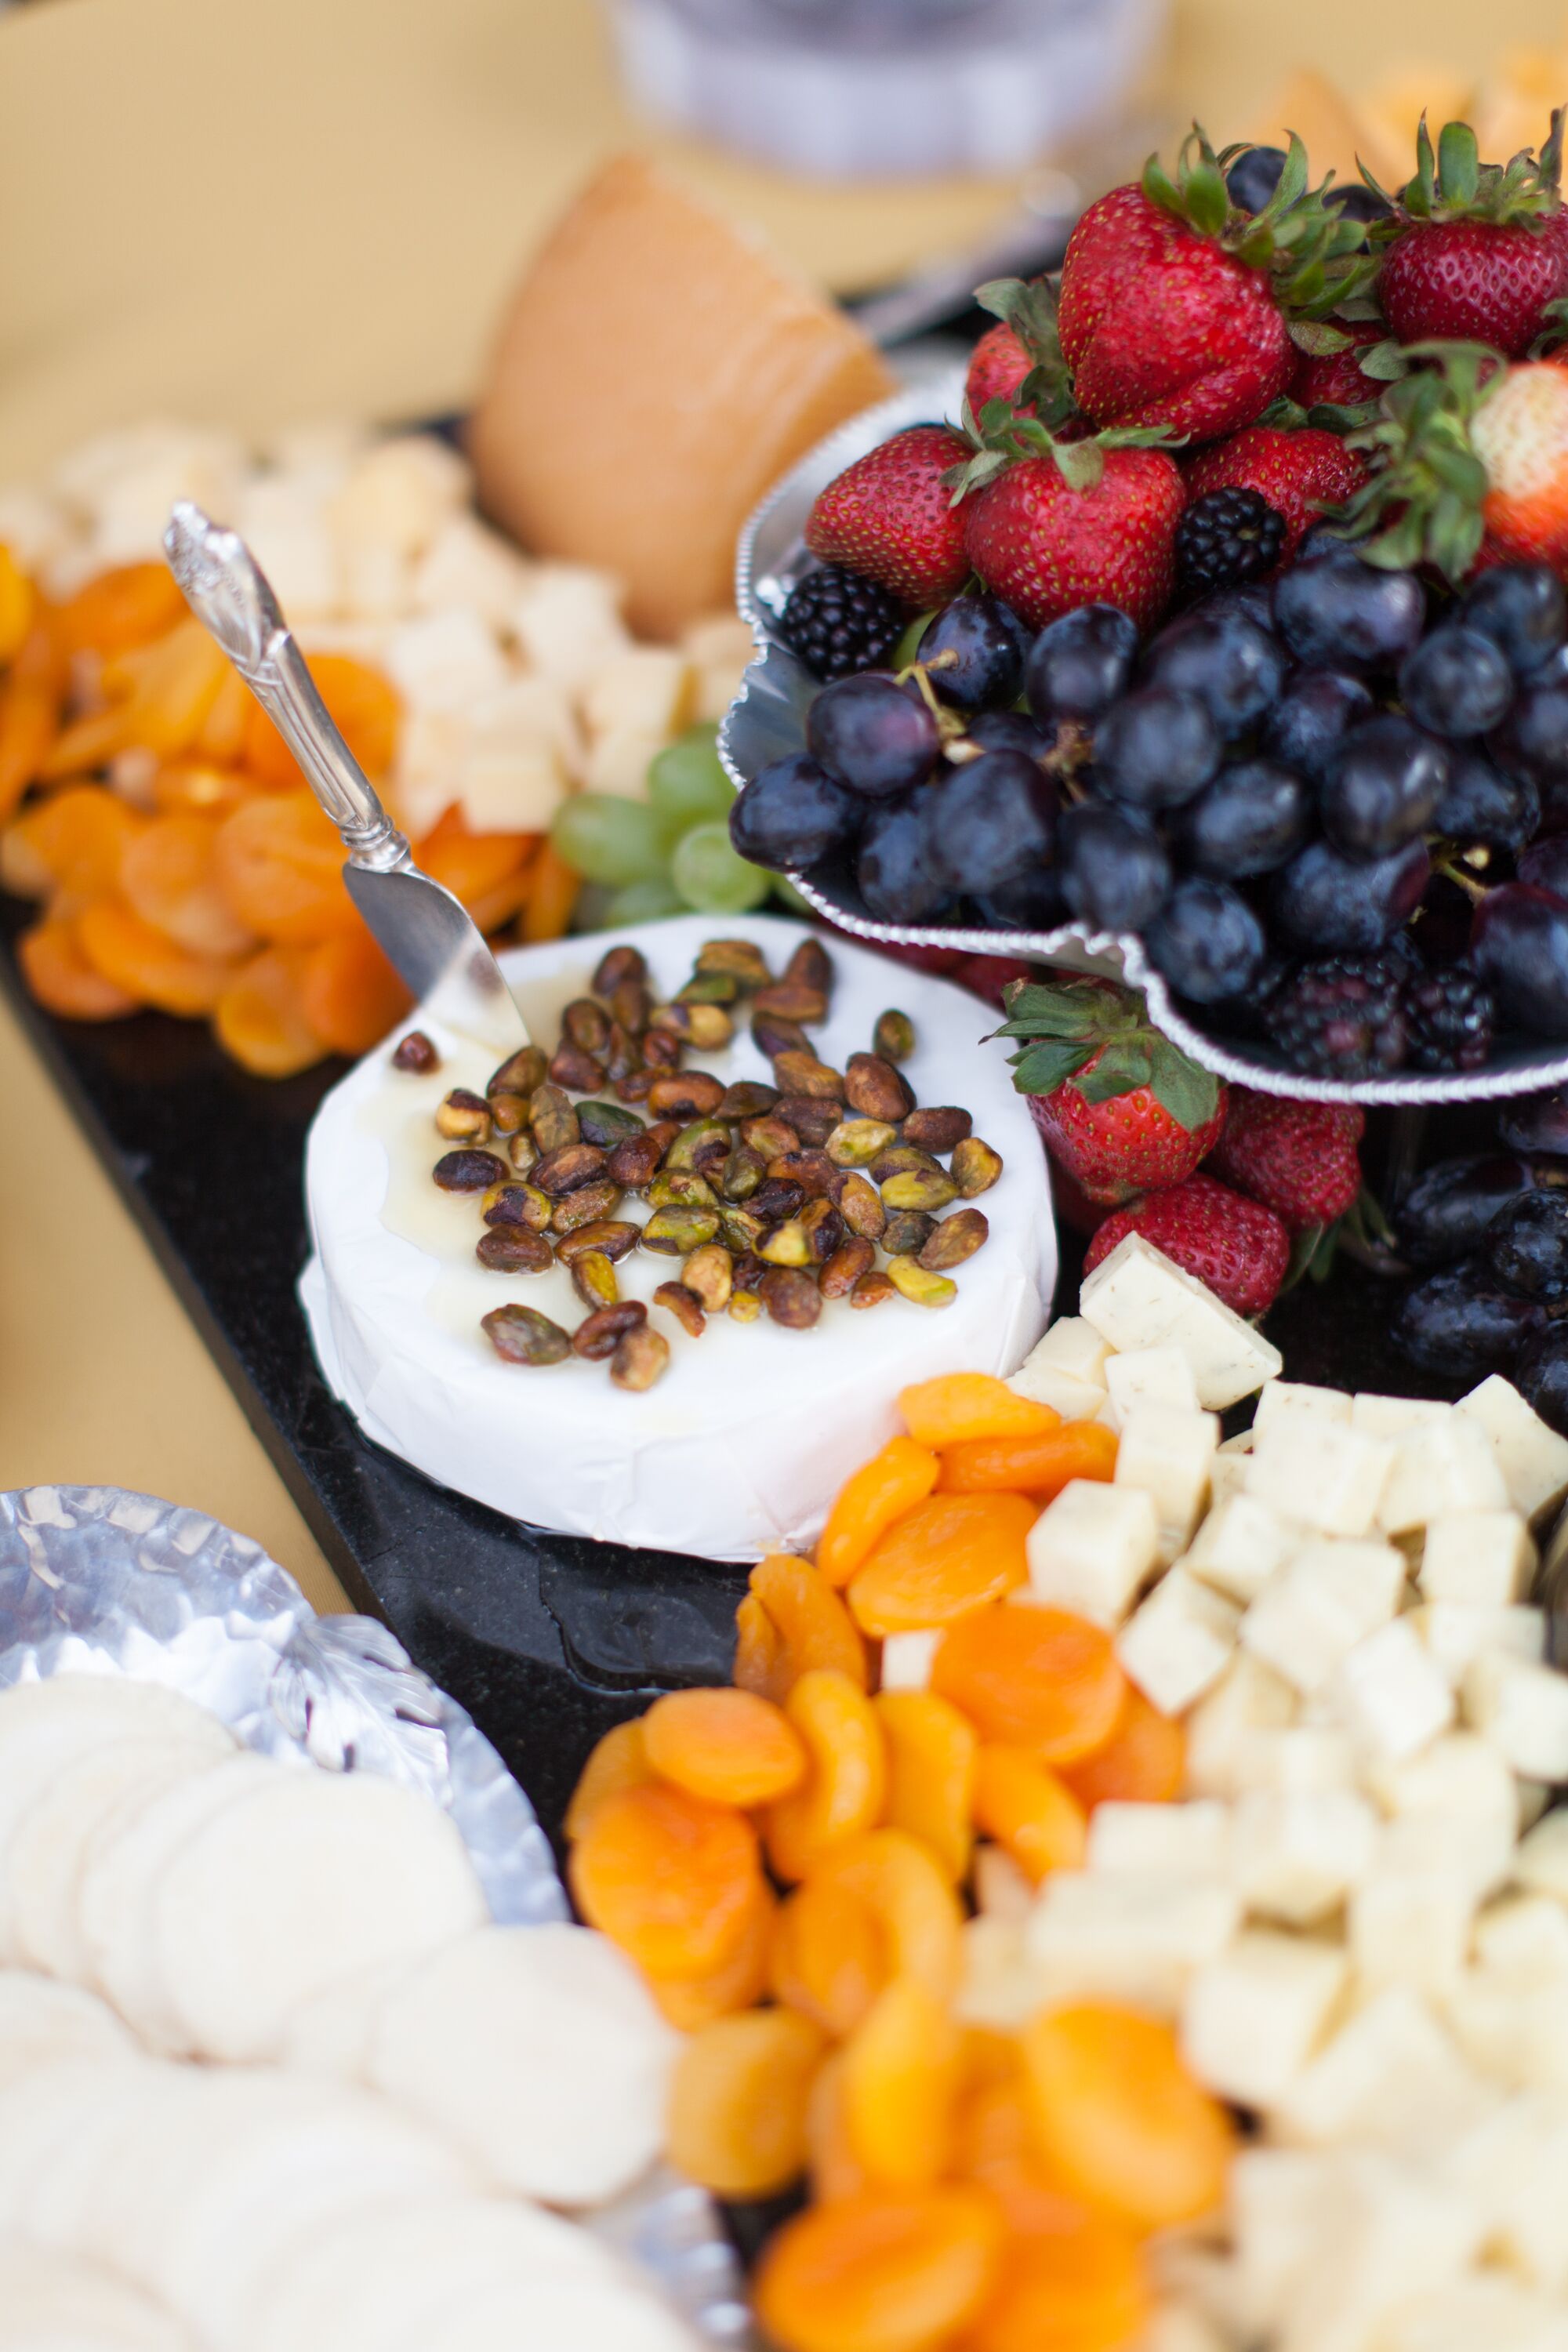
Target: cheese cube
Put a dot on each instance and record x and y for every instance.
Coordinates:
(467, 564)
(518, 765)
(1239, 1545)
(1002, 1891)
(1150, 1376)
(1457, 1632)
(1394, 1417)
(1228, 1478)
(1092, 1547)
(1075, 1399)
(1179, 1642)
(1482, 2308)
(400, 492)
(1323, 1473)
(906, 1660)
(432, 746)
(1441, 1467)
(445, 661)
(1391, 1693)
(1169, 1453)
(1512, 2025)
(1284, 2204)
(1532, 1458)
(1253, 2017)
(1296, 1855)
(1401, 2238)
(378, 580)
(1134, 1935)
(1298, 1400)
(1482, 1557)
(617, 761)
(567, 621)
(1525, 1932)
(1181, 2327)
(1513, 2167)
(1390, 2076)
(1542, 1861)
(1409, 1925)
(1522, 1710)
(1137, 1299)
(1305, 1757)
(1249, 1701)
(286, 529)
(1075, 1347)
(1326, 1598)
(645, 688)
(1193, 1840)
(1456, 1801)
(998, 1984)
(719, 648)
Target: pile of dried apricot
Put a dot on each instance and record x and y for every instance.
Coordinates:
(789, 1861)
(178, 858)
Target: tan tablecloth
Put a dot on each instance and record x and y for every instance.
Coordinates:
(254, 211)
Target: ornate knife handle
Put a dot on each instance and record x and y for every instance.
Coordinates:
(227, 591)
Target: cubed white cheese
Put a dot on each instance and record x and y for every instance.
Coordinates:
(1512, 2025)
(1074, 1346)
(906, 1660)
(1527, 1932)
(1542, 1861)
(1128, 1936)
(445, 661)
(567, 621)
(1137, 1299)
(618, 759)
(401, 491)
(1092, 1547)
(1485, 1559)
(1482, 2308)
(1298, 1400)
(1514, 2167)
(1191, 1840)
(1456, 1802)
(1297, 1854)
(285, 527)
(432, 746)
(998, 1984)
(1239, 1545)
(1303, 1757)
(1169, 1453)
(1439, 1468)
(1284, 2205)
(1409, 1925)
(1323, 1473)
(1249, 1700)
(1150, 1376)
(519, 763)
(1522, 1710)
(467, 563)
(1390, 2077)
(1391, 1693)
(1228, 1478)
(1002, 1891)
(1181, 2327)
(1391, 1416)
(1253, 2017)
(1179, 1642)
(1532, 1458)
(1457, 1632)
(1075, 1399)
(646, 690)
(1325, 1599)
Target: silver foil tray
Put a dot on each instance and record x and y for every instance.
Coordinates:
(97, 1580)
(767, 722)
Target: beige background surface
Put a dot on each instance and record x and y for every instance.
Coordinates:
(254, 211)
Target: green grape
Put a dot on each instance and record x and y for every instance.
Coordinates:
(784, 890)
(609, 839)
(591, 911)
(711, 877)
(909, 644)
(647, 901)
(686, 783)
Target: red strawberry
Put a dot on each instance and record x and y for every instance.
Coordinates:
(1298, 473)
(1334, 380)
(1118, 1104)
(1483, 250)
(891, 515)
(1087, 524)
(1298, 1158)
(991, 976)
(1237, 1246)
(997, 366)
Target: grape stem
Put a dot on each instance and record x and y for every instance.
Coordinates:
(1474, 891)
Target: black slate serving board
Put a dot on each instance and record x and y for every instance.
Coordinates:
(546, 1639)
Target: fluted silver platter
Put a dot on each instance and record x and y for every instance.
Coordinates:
(767, 722)
(97, 1580)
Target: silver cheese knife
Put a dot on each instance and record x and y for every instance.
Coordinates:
(427, 934)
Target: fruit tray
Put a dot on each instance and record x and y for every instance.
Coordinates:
(767, 722)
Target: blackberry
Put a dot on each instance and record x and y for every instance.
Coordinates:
(1342, 1018)
(1227, 537)
(1451, 1017)
(838, 623)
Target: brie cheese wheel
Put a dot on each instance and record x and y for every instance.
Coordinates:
(740, 1447)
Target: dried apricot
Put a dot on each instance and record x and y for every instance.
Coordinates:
(1021, 1803)
(993, 2125)
(738, 2102)
(835, 2169)
(900, 2080)
(1119, 2118)
(948, 1555)
(829, 1957)
(884, 2271)
(18, 601)
(61, 978)
(279, 864)
(902, 1884)
(165, 874)
(129, 605)
(812, 1628)
(222, 736)
(176, 684)
(846, 1783)
(1071, 2281)
(1143, 1763)
(867, 1504)
(553, 889)
(1030, 1677)
(365, 705)
(29, 716)
(81, 835)
(190, 787)
(259, 1020)
(144, 962)
(670, 1879)
(350, 993)
(737, 1983)
(1039, 1466)
(473, 865)
(726, 1744)
(961, 1407)
(931, 1751)
(617, 1761)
